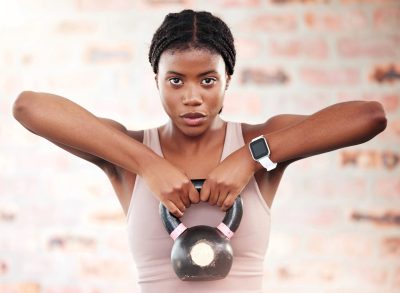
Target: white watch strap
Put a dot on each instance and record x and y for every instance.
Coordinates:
(267, 163)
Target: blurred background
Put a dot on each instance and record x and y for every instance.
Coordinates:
(336, 216)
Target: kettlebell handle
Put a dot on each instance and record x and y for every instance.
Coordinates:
(229, 224)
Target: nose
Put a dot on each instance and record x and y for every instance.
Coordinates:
(192, 97)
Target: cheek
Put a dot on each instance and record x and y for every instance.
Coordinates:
(168, 100)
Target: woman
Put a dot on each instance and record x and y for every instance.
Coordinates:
(193, 58)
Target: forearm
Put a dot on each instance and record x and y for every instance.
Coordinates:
(337, 126)
(63, 121)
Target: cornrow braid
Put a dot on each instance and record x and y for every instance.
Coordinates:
(193, 29)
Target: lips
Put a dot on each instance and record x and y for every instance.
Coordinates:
(193, 118)
(193, 115)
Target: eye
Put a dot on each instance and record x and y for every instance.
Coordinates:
(209, 81)
(175, 81)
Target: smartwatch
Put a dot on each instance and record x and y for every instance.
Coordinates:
(260, 152)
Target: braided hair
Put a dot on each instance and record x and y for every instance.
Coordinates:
(190, 29)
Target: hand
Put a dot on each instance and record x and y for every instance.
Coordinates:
(171, 186)
(228, 179)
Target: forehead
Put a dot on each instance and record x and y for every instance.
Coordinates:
(191, 60)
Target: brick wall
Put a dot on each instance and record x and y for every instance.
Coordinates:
(336, 217)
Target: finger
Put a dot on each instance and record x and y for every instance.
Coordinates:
(194, 195)
(180, 205)
(173, 209)
(221, 198)
(228, 202)
(185, 199)
(205, 191)
(213, 197)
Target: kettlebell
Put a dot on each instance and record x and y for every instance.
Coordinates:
(202, 253)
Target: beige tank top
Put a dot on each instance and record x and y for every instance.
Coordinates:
(151, 245)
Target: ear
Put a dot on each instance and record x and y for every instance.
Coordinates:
(228, 80)
(156, 79)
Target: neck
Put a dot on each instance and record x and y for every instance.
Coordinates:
(175, 139)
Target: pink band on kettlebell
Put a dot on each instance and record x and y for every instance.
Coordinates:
(225, 230)
(178, 231)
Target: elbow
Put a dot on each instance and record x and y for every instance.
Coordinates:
(21, 104)
(377, 116)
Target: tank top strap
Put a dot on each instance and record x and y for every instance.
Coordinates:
(151, 139)
(233, 138)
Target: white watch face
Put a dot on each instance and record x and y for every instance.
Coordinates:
(259, 148)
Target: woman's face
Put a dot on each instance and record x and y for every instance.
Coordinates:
(192, 85)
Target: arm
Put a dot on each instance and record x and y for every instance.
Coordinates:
(334, 127)
(293, 137)
(75, 129)
(102, 141)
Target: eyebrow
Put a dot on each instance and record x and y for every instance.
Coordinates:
(201, 74)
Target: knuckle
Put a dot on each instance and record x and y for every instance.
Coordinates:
(186, 183)
(228, 203)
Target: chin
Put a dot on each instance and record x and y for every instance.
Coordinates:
(194, 131)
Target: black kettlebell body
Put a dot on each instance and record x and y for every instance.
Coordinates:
(202, 253)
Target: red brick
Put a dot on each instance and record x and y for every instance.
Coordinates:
(261, 76)
(109, 53)
(20, 287)
(311, 48)
(368, 47)
(270, 22)
(370, 158)
(74, 27)
(390, 101)
(8, 213)
(3, 268)
(237, 3)
(70, 289)
(390, 247)
(390, 159)
(103, 217)
(243, 104)
(311, 272)
(341, 245)
(72, 243)
(374, 275)
(381, 2)
(328, 188)
(391, 133)
(318, 217)
(247, 48)
(330, 77)
(354, 158)
(104, 269)
(387, 73)
(300, 1)
(387, 218)
(387, 187)
(396, 279)
(172, 5)
(285, 245)
(97, 5)
(333, 21)
(387, 17)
